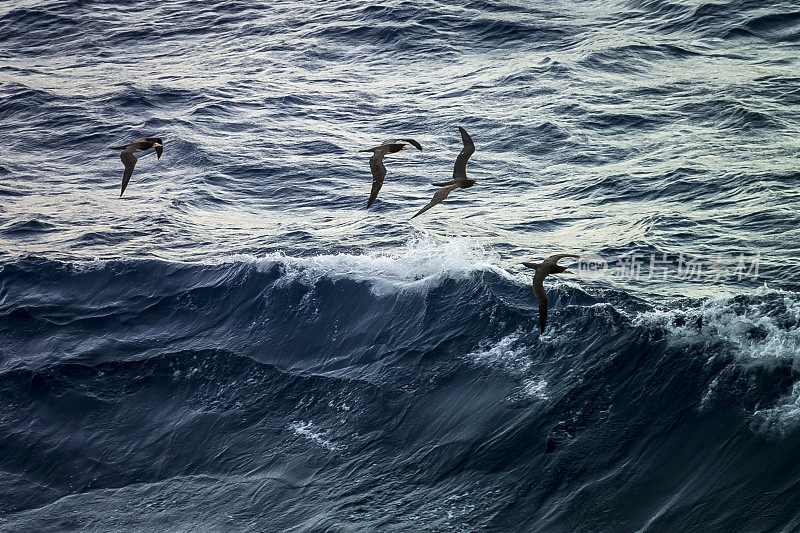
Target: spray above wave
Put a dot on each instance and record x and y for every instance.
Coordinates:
(763, 326)
(423, 261)
(751, 338)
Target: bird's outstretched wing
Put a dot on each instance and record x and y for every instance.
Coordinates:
(541, 296)
(412, 142)
(460, 168)
(556, 258)
(378, 173)
(394, 145)
(156, 140)
(438, 196)
(129, 160)
(542, 315)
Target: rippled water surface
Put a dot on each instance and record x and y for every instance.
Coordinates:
(237, 343)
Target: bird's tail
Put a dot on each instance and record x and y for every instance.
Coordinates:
(445, 184)
(116, 147)
(368, 150)
(532, 265)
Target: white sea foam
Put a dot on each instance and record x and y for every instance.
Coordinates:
(759, 327)
(307, 430)
(423, 261)
(511, 355)
(782, 417)
(536, 388)
(508, 354)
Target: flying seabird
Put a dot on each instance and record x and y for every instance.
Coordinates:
(460, 180)
(376, 162)
(129, 160)
(548, 266)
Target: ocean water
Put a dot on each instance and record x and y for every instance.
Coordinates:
(238, 344)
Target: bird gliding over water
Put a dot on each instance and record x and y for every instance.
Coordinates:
(460, 180)
(376, 162)
(548, 266)
(129, 160)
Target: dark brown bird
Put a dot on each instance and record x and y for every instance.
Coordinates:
(543, 269)
(129, 160)
(376, 162)
(460, 180)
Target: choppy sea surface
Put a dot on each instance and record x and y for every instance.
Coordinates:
(238, 344)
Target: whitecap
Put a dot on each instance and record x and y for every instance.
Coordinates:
(307, 430)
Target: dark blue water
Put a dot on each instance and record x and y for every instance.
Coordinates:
(237, 344)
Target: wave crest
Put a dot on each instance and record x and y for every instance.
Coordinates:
(761, 326)
(423, 261)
